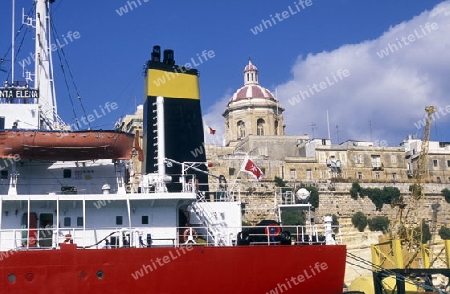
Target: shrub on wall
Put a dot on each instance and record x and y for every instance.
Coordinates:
(378, 223)
(359, 221)
(444, 233)
(446, 193)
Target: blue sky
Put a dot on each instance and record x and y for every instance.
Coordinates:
(382, 99)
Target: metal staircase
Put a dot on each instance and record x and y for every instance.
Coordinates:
(215, 227)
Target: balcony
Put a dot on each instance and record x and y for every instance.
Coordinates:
(377, 166)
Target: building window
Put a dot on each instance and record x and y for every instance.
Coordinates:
(119, 220)
(394, 176)
(240, 129)
(394, 159)
(145, 220)
(377, 175)
(322, 157)
(359, 158)
(435, 163)
(309, 174)
(4, 175)
(376, 161)
(438, 179)
(80, 221)
(448, 163)
(293, 173)
(231, 171)
(360, 176)
(67, 173)
(260, 127)
(67, 222)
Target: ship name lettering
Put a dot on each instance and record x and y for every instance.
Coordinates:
(6, 94)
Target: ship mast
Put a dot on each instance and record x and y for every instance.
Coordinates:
(44, 81)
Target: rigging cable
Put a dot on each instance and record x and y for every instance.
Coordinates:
(71, 77)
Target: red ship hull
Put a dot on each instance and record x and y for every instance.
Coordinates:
(197, 269)
(55, 145)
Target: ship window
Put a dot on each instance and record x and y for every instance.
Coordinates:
(145, 219)
(4, 175)
(80, 221)
(67, 221)
(119, 220)
(67, 173)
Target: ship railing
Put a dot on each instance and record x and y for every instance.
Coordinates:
(299, 235)
(110, 237)
(143, 237)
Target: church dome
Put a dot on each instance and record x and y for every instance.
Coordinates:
(251, 89)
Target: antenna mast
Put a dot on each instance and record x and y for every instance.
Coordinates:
(13, 50)
(43, 66)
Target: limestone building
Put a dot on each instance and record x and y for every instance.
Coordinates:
(252, 110)
(254, 126)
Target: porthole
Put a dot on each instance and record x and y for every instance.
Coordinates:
(82, 275)
(12, 278)
(29, 277)
(100, 274)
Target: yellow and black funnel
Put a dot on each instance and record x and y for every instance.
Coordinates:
(183, 125)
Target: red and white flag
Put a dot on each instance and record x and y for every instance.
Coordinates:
(250, 167)
(211, 131)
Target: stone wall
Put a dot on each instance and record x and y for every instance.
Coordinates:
(259, 202)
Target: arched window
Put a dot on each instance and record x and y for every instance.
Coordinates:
(260, 127)
(240, 129)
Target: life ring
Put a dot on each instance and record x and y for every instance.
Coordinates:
(187, 234)
(68, 239)
(272, 230)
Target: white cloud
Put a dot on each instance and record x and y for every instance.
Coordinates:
(382, 97)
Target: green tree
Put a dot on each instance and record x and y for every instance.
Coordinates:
(390, 195)
(354, 190)
(444, 233)
(293, 217)
(359, 221)
(378, 223)
(377, 197)
(279, 182)
(314, 196)
(426, 233)
(446, 193)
